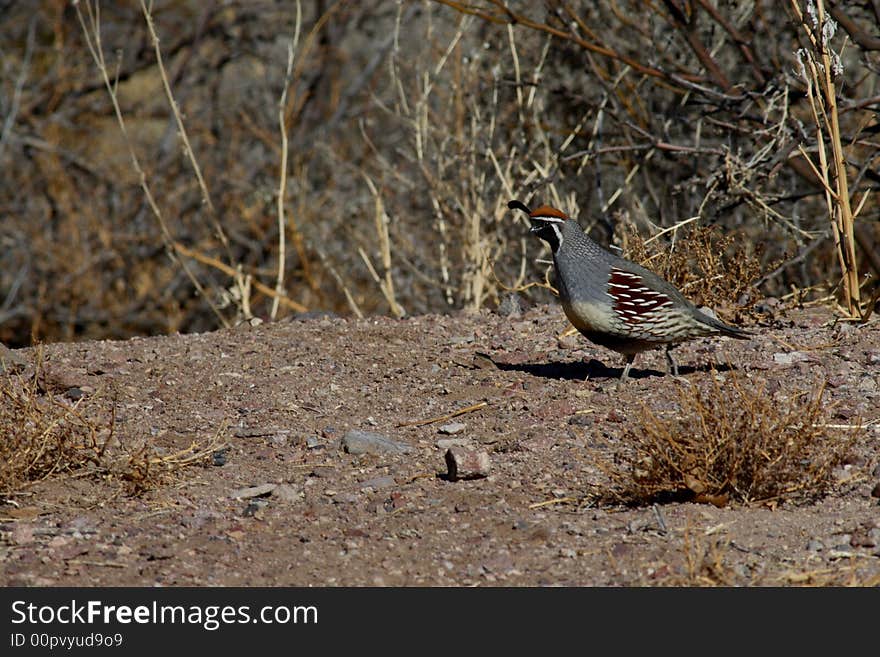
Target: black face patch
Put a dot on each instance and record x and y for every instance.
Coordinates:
(549, 232)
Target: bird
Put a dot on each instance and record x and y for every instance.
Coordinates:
(615, 302)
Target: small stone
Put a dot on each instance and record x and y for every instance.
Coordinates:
(452, 428)
(313, 442)
(287, 493)
(254, 491)
(367, 442)
(876, 471)
(567, 342)
(253, 509)
(464, 463)
(377, 483)
(510, 306)
(74, 394)
(787, 358)
(218, 458)
(446, 443)
(815, 545)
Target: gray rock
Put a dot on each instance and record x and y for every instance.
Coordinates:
(510, 306)
(452, 428)
(252, 510)
(367, 442)
(787, 358)
(287, 493)
(254, 491)
(446, 443)
(378, 482)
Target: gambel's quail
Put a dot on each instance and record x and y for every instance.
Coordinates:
(614, 302)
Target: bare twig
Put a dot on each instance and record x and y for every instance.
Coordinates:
(282, 174)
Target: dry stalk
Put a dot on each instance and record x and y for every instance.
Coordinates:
(386, 283)
(92, 34)
(819, 65)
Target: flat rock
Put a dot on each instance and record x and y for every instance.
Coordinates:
(446, 443)
(377, 483)
(287, 493)
(367, 442)
(452, 428)
(789, 357)
(254, 491)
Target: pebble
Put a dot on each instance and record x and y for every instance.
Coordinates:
(74, 394)
(510, 306)
(452, 428)
(254, 491)
(815, 545)
(464, 463)
(252, 510)
(287, 493)
(367, 442)
(378, 482)
(567, 342)
(787, 358)
(446, 443)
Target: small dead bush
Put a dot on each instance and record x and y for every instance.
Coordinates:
(703, 562)
(43, 435)
(710, 267)
(731, 442)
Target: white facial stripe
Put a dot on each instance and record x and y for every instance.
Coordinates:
(558, 235)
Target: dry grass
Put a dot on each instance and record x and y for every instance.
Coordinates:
(706, 560)
(730, 442)
(702, 562)
(43, 435)
(710, 267)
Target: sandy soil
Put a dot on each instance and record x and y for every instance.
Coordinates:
(282, 398)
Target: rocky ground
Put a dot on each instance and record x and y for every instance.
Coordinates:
(290, 494)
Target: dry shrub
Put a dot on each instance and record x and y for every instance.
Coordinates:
(703, 562)
(43, 435)
(710, 267)
(731, 442)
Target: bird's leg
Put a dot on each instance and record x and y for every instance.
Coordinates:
(629, 363)
(670, 361)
